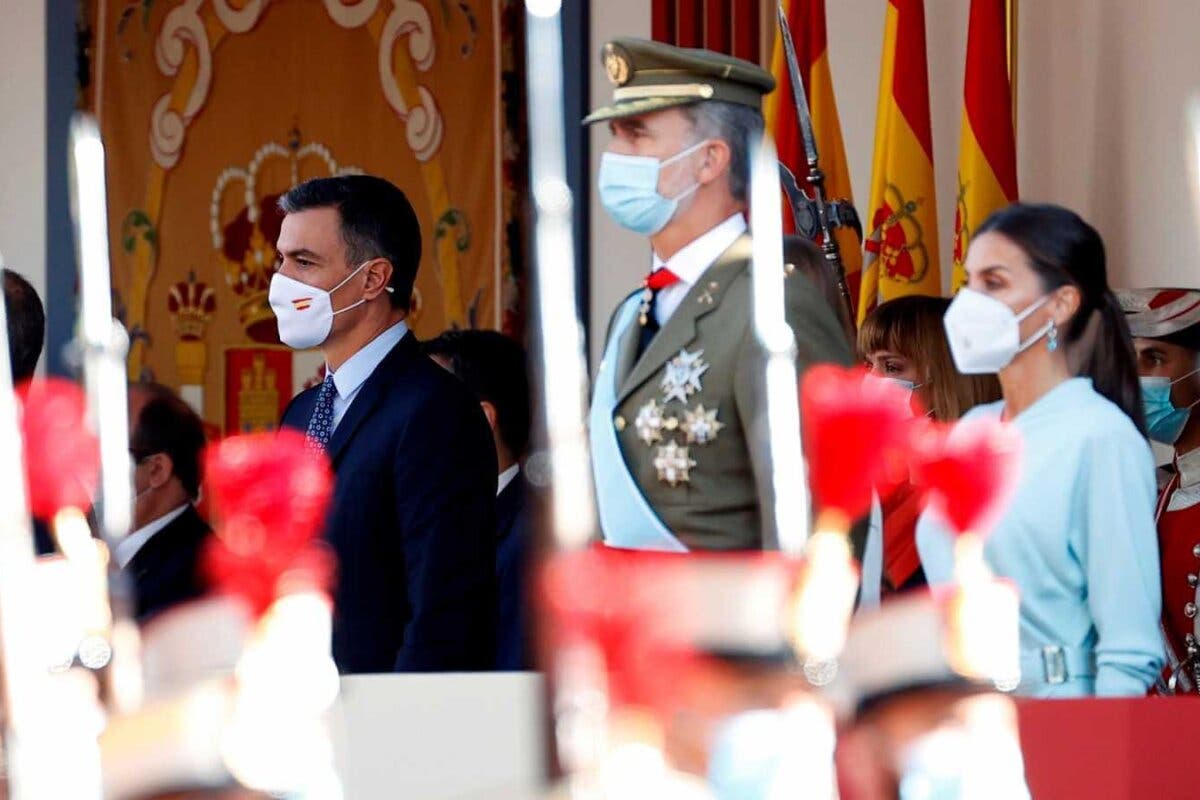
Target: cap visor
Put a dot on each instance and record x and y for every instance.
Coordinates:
(633, 108)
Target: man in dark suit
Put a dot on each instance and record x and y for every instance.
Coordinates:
(162, 554)
(413, 513)
(493, 367)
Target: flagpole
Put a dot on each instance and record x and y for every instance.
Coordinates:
(1011, 33)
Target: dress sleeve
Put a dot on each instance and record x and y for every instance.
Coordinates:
(1118, 549)
(935, 539)
(935, 546)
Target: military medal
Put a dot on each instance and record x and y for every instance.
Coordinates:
(682, 377)
(644, 307)
(700, 425)
(650, 422)
(657, 280)
(673, 464)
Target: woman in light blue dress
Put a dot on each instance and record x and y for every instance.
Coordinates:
(1078, 538)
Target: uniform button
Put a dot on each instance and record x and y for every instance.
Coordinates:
(1196, 551)
(619, 424)
(1189, 610)
(1193, 580)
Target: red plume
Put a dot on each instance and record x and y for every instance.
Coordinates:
(853, 431)
(270, 495)
(969, 470)
(62, 454)
(628, 606)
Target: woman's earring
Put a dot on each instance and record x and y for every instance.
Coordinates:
(1052, 337)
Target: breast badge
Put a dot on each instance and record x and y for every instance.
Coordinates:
(682, 377)
(675, 432)
(700, 425)
(649, 422)
(674, 464)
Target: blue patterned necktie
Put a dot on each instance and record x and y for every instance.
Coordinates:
(320, 425)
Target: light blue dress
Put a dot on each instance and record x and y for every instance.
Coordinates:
(1079, 542)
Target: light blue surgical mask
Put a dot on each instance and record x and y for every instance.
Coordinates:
(629, 190)
(1164, 421)
(871, 379)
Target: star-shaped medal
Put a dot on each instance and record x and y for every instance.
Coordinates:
(701, 425)
(682, 378)
(673, 464)
(649, 422)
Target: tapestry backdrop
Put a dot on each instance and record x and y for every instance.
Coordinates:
(210, 109)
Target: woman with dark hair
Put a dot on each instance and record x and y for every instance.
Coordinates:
(903, 341)
(1078, 538)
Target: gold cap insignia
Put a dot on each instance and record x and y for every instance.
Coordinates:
(616, 64)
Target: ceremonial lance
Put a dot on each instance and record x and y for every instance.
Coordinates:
(562, 464)
(31, 747)
(104, 344)
(791, 508)
(822, 209)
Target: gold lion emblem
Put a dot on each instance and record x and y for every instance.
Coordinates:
(617, 65)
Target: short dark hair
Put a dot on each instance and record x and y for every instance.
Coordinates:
(377, 222)
(492, 366)
(166, 424)
(26, 325)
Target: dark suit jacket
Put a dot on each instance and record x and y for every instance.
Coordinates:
(165, 571)
(512, 550)
(412, 520)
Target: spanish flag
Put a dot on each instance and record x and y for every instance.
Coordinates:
(902, 249)
(987, 153)
(806, 18)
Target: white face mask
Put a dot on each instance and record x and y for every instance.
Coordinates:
(984, 334)
(305, 313)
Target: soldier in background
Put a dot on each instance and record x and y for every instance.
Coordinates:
(678, 423)
(1165, 324)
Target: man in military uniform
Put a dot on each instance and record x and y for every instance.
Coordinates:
(678, 423)
(1165, 324)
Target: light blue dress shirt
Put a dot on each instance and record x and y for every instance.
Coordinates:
(353, 373)
(1078, 540)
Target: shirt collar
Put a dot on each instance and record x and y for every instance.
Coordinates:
(358, 367)
(129, 547)
(699, 254)
(506, 478)
(1188, 467)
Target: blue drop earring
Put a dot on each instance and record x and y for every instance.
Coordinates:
(1052, 337)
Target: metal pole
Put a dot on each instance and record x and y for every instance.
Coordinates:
(792, 509)
(104, 345)
(29, 747)
(559, 364)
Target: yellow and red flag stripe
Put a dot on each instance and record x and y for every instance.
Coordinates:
(902, 250)
(987, 152)
(806, 18)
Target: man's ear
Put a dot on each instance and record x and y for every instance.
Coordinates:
(489, 411)
(379, 278)
(161, 469)
(717, 156)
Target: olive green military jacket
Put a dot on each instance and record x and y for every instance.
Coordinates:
(691, 414)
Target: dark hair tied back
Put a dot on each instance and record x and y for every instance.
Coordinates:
(1064, 250)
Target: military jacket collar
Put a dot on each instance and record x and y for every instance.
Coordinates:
(703, 297)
